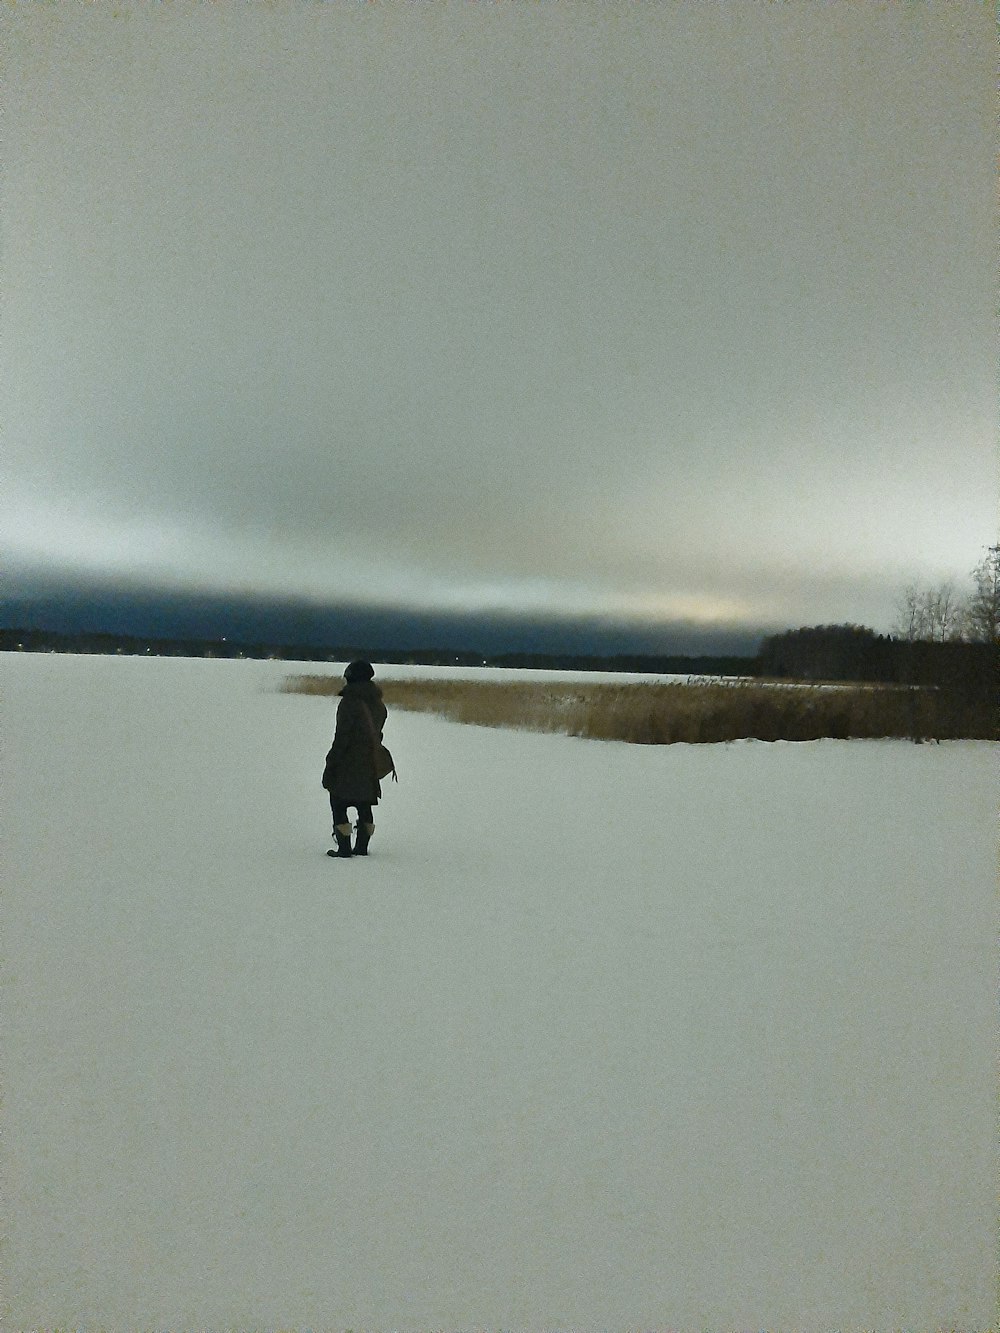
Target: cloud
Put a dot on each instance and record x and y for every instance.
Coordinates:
(654, 309)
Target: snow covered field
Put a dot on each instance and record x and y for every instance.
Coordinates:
(599, 1036)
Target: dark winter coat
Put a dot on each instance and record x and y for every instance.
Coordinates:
(350, 775)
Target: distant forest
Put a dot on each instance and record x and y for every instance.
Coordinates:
(855, 653)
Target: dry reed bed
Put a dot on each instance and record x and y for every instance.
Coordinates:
(698, 711)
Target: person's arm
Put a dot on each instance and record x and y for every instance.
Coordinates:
(347, 725)
(340, 736)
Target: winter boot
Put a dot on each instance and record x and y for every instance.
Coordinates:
(342, 832)
(363, 838)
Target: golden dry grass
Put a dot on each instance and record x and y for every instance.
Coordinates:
(698, 711)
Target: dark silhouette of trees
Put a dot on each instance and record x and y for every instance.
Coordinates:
(827, 652)
(958, 678)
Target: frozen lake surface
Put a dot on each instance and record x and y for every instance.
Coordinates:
(599, 1037)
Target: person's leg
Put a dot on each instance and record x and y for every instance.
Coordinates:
(366, 827)
(341, 827)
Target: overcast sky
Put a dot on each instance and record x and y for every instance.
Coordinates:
(680, 310)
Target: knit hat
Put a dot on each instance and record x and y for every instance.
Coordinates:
(358, 671)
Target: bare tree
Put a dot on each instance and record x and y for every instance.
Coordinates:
(982, 611)
(930, 614)
(947, 613)
(910, 615)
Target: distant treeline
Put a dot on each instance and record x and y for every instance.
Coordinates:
(131, 645)
(49, 641)
(855, 653)
(817, 653)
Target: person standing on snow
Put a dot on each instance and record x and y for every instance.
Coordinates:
(351, 772)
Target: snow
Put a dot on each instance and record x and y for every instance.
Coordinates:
(599, 1036)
